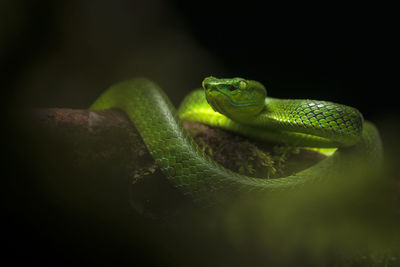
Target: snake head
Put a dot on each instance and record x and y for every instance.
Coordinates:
(236, 98)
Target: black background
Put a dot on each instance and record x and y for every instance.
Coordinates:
(341, 52)
(338, 52)
(332, 51)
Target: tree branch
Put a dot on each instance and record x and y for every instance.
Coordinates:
(107, 143)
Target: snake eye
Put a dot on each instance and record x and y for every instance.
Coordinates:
(242, 85)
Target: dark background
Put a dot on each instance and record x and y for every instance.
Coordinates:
(343, 53)
(65, 53)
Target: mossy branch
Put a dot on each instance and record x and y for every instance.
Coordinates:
(106, 141)
(95, 135)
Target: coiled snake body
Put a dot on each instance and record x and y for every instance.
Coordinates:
(241, 106)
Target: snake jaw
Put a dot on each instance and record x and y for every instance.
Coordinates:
(214, 99)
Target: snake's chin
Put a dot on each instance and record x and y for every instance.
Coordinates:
(212, 99)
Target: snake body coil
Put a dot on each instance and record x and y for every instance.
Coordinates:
(188, 168)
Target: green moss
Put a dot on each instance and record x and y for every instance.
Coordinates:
(249, 157)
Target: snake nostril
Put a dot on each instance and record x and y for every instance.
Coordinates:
(231, 88)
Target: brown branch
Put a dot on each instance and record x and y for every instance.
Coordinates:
(107, 145)
(95, 135)
(101, 153)
(101, 135)
(77, 144)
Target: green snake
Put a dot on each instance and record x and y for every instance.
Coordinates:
(241, 106)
